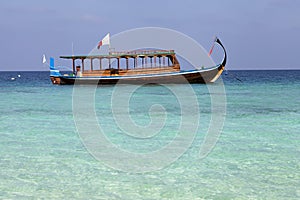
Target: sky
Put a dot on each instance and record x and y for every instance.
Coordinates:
(258, 34)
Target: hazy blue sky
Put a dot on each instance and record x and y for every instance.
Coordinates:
(258, 34)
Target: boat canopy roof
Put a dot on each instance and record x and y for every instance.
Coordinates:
(125, 54)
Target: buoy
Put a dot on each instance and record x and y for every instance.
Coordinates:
(19, 75)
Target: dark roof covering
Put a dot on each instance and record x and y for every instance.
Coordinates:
(124, 54)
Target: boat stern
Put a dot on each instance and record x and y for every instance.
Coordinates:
(55, 80)
(54, 73)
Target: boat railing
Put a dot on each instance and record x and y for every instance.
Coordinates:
(142, 52)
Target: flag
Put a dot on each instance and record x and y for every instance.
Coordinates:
(44, 59)
(210, 52)
(212, 48)
(104, 41)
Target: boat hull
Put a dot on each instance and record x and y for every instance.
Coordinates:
(194, 76)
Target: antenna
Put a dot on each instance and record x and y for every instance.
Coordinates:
(72, 49)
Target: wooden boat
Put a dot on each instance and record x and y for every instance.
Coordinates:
(156, 66)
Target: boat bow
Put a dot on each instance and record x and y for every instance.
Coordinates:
(218, 41)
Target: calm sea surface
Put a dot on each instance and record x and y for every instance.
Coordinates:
(257, 155)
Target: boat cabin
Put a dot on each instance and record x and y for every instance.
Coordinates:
(121, 63)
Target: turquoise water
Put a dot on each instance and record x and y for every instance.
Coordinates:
(256, 156)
